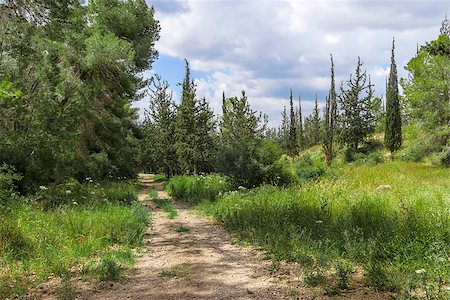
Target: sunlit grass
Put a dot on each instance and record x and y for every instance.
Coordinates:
(390, 231)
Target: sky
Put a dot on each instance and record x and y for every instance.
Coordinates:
(268, 47)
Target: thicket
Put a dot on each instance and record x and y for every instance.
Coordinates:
(68, 74)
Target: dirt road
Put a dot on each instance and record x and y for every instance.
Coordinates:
(190, 257)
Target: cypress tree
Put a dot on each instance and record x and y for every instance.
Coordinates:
(284, 130)
(300, 132)
(292, 145)
(185, 131)
(330, 119)
(393, 123)
(316, 124)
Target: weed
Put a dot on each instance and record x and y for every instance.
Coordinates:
(153, 194)
(181, 229)
(66, 290)
(108, 269)
(168, 273)
(196, 188)
(167, 207)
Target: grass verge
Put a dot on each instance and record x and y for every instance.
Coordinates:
(38, 240)
(398, 234)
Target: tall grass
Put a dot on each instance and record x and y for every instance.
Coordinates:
(196, 188)
(391, 232)
(37, 240)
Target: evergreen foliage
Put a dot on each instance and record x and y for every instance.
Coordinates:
(74, 69)
(330, 119)
(393, 127)
(300, 131)
(356, 120)
(292, 142)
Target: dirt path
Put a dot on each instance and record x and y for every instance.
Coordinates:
(189, 257)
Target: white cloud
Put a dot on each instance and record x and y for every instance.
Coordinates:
(267, 47)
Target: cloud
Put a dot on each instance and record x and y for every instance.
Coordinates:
(269, 47)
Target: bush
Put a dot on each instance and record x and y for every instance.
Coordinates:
(8, 179)
(432, 143)
(308, 169)
(196, 188)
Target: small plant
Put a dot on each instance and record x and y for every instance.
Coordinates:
(314, 279)
(108, 269)
(181, 229)
(168, 273)
(153, 194)
(343, 272)
(66, 290)
(166, 206)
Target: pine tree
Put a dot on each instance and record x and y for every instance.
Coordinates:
(330, 119)
(300, 133)
(292, 143)
(393, 125)
(205, 125)
(158, 143)
(357, 119)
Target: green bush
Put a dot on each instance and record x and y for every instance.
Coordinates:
(196, 188)
(308, 169)
(8, 179)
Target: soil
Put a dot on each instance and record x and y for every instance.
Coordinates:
(193, 257)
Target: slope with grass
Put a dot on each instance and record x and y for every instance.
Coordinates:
(389, 223)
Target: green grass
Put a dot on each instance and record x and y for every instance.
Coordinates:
(330, 225)
(42, 240)
(153, 194)
(196, 188)
(166, 206)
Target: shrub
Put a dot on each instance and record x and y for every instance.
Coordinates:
(8, 179)
(196, 188)
(308, 169)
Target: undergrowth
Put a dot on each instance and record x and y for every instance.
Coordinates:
(51, 235)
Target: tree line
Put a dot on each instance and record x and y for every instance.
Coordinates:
(188, 139)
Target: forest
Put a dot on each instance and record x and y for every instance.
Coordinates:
(356, 193)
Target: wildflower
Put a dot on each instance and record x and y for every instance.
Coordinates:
(68, 192)
(92, 193)
(43, 187)
(420, 271)
(319, 222)
(75, 203)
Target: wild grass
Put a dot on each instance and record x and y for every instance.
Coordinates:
(166, 206)
(47, 239)
(196, 188)
(330, 225)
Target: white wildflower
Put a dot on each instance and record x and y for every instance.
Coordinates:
(420, 271)
(319, 222)
(43, 187)
(68, 192)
